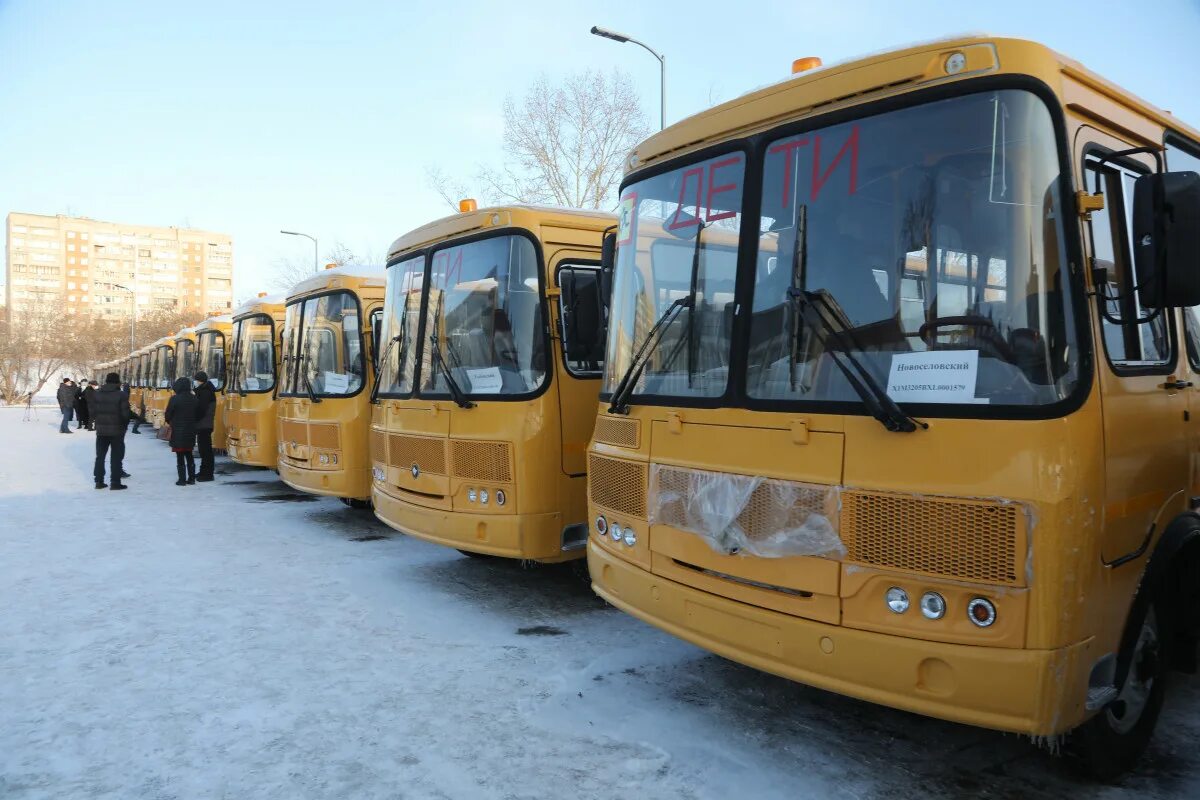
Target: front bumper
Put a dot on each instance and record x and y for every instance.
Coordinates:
(533, 537)
(1035, 692)
(354, 484)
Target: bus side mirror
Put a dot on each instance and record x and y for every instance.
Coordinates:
(608, 260)
(1166, 239)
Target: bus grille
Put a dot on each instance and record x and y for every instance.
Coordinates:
(618, 431)
(773, 506)
(245, 420)
(378, 446)
(324, 435)
(617, 485)
(292, 431)
(481, 461)
(972, 540)
(427, 452)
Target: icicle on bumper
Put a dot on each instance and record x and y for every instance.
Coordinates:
(747, 514)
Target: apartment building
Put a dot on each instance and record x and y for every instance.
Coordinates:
(92, 268)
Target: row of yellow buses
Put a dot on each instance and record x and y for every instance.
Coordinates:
(882, 379)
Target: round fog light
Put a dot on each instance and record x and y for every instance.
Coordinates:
(500, 497)
(897, 600)
(933, 605)
(615, 531)
(630, 537)
(483, 495)
(601, 525)
(981, 612)
(471, 495)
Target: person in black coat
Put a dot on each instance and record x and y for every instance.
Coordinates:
(205, 417)
(109, 408)
(80, 403)
(89, 414)
(182, 411)
(66, 403)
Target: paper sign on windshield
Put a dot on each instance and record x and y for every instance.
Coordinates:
(944, 376)
(485, 381)
(625, 219)
(250, 383)
(336, 383)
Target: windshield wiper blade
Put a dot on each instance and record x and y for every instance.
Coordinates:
(308, 387)
(387, 351)
(817, 310)
(456, 392)
(619, 403)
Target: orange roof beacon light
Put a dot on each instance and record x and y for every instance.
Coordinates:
(467, 206)
(331, 265)
(805, 64)
(261, 294)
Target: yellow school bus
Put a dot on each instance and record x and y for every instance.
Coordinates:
(140, 379)
(480, 431)
(213, 339)
(162, 375)
(325, 381)
(892, 408)
(253, 369)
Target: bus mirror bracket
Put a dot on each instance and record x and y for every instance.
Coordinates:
(608, 260)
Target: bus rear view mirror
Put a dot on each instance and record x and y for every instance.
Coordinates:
(608, 259)
(1166, 239)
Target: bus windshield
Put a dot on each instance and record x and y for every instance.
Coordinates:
(483, 319)
(211, 357)
(254, 354)
(401, 316)
(165, 366)
(325, 344)
(185, 358)
(922, 243)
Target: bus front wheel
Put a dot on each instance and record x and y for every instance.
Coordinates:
(1110, 743)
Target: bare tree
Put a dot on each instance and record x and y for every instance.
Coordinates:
(290, 271)
(448, 188)
(564, 144)
(33, 348)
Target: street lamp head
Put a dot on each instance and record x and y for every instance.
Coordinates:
(609, 34)
(292, 233)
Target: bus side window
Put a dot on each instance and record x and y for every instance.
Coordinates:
(582, 312)
(1137, 345)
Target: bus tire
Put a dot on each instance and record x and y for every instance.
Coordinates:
(1110, 744)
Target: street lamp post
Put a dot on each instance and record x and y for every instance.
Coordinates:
(132, 314)
(314, 241)
(662, 67)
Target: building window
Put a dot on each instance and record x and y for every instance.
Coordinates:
(70, 234)
(83, 236)
(71, 248)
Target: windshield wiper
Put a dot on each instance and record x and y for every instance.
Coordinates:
(387, 351)
(456, 392)
(308, 387)
(619, 403)
(820, 312)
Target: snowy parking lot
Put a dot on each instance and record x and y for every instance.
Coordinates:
(239, 640)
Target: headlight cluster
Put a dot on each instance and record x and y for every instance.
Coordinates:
(618, 532)
(484, 496)
(248, 438)
(378, 473)
(327, 459)
(981, 611)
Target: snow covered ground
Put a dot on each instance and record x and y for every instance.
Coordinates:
(236, 640)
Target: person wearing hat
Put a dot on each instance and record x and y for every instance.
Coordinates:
(205, 417)
(89, 397)
(181, 414)
(110, 414)
(66, 403)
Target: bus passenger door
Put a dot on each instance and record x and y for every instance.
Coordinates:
(580, 331)
(1145, 427)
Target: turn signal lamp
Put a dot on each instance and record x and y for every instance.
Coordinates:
(467, 206)
(330, 266)
(981, 611)
(805, 64)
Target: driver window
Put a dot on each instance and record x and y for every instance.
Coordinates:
(1128, 343)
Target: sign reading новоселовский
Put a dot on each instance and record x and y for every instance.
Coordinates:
(936, 377)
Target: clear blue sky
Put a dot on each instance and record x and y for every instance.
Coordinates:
(247, 117)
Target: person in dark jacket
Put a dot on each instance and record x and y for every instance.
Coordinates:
(109, 408)
(89, 394)
(66, 403)
(80, 405)
(181, 415)
(205, 416)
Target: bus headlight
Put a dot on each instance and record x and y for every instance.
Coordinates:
(483, 496)
(501, 498)
(933, 605)
(323, 458)
(981, 612)
(630, 537)
(378, 473)
(897, 600)
(472, 496)
(615, 531)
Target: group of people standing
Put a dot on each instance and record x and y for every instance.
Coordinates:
(189, 413)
